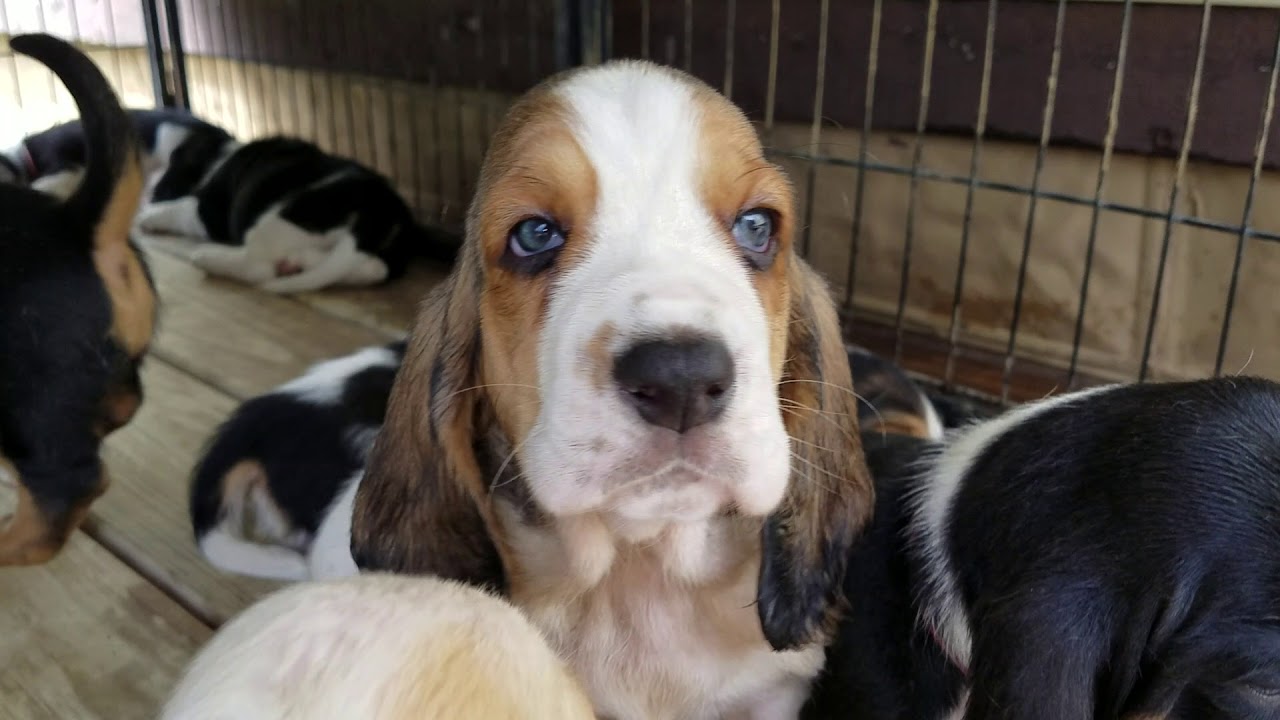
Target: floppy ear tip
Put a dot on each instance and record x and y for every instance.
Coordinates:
(800, 599)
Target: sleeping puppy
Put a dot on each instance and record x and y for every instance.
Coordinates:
(271, 472)
(1126, 568)
(53, 160)
(77, 311)
(629, 406)
(888, 400)
(378, 647)
(288, 217)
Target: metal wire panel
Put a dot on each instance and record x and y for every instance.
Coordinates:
(896, 118)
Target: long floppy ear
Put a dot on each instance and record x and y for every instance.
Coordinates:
(420, 507)
(806, 542)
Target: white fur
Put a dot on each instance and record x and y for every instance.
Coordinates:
(945, 473)
(641, 582)
(325, 259)
(231, 553)
(933, 423)
(330, 553)
(60, 184)
(173, 217)
(377, 647)
(658, 263)
(323, 382)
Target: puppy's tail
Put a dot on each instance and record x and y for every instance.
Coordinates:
(112, 184)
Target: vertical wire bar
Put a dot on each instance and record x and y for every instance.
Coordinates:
(859, 193)
(1104, 168)
(1033, 200)
(771, 94)
(177, 52)
(271, 112)
(1259, 153)
(289, 110)
(344, 75)
(975, 160)
(482, 96)
(230, 79)
(44, 28)
(155, 53)
(459, 140)
(204, 67)
(645, 29)
(688, 35)
(815, 128)
(436, 125)
(250, 39)
(533, 36)
(241, 64)
(917, 153)
(370, 80)
(324, 78)
(730, 38)
(13, 58)
(413, 101)
(1188, 136)
(109, 6)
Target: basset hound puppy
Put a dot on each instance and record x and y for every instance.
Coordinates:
(378, 647)
(629, 407)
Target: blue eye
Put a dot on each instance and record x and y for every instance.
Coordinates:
(534, 236)
(753, 230)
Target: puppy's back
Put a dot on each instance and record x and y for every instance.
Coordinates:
(378, 647)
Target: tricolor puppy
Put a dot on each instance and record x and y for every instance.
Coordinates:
(378, 647)
(1110, 553)
(288, 217)
(889, 401)
(77, 311)
(53, 160)
(270, 474)
(629, 406)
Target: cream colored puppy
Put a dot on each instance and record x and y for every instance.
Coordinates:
(378, 647)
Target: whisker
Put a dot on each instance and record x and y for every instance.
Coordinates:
(811, 478)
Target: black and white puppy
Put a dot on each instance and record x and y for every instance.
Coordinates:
(288, 217)
(266, 481)
(53, 160)
(1109, 553)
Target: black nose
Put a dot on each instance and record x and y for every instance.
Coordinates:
(676, 384)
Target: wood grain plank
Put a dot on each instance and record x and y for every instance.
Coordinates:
(85, 637)
(240, 340)
(390, 308)
(143, 516)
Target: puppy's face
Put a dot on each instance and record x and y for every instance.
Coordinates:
(636, 249)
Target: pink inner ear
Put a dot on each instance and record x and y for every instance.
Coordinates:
(286, 267)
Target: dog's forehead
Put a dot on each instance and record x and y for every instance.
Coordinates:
(650, 131)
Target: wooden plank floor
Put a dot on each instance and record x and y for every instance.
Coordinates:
(105, 629)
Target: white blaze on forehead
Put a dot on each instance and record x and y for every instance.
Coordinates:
(641, 129)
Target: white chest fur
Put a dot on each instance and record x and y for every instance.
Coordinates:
(659, 622)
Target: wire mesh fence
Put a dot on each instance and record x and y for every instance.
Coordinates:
(1007, 197)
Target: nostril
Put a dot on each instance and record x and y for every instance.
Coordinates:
(677, 384)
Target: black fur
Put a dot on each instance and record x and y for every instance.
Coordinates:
(58, 363)
(319, 192)
(1118, 555)
(62, 147)
(306, 448)
(882, 665)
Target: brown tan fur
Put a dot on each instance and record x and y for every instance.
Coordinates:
(901, 423)
(133, 299)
